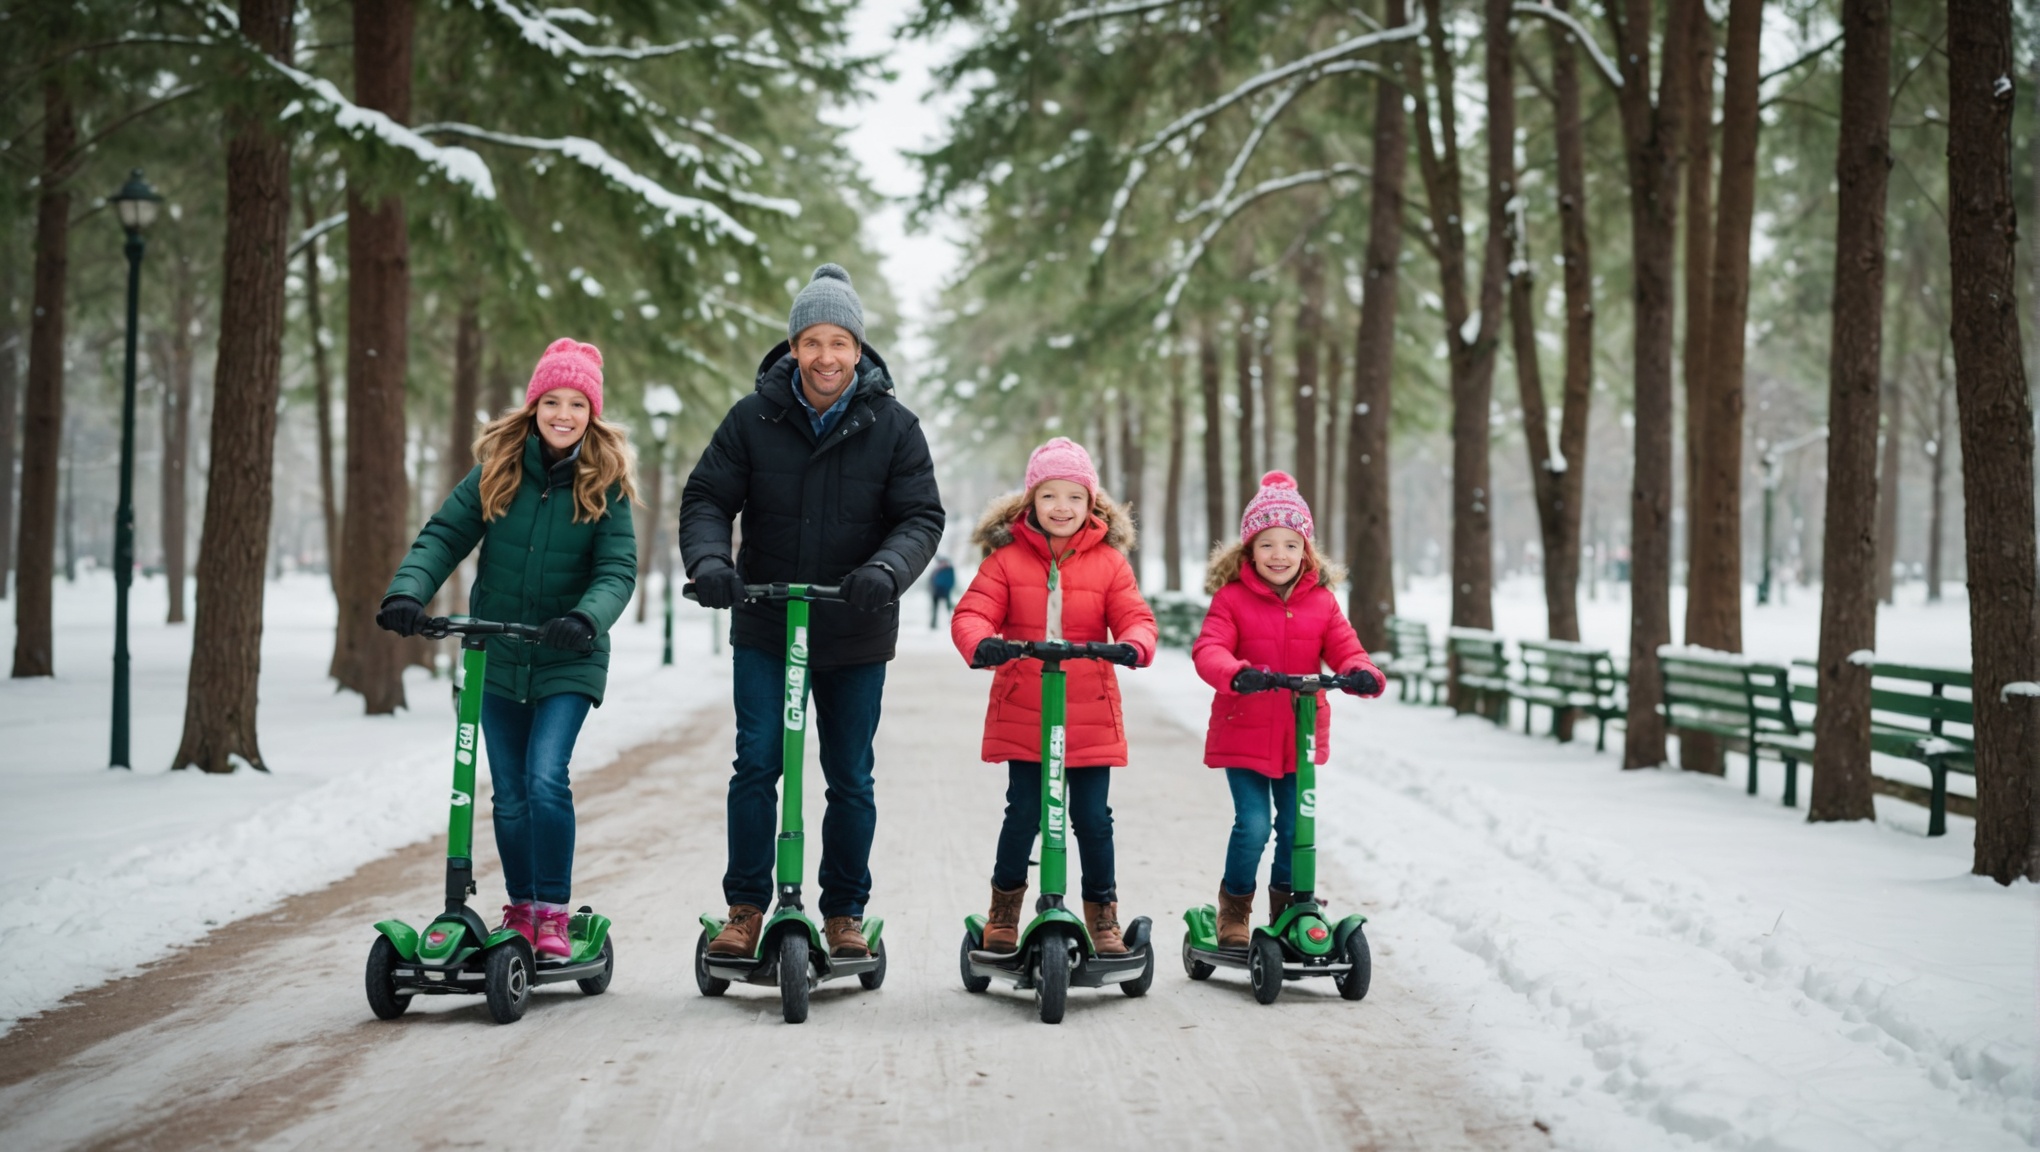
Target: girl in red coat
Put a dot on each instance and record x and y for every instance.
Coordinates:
(1272, 611)
(1055, 569)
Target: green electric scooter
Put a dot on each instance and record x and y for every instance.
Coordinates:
(457, 952)
(1055, 950)
(791, 951)
(1300, 942)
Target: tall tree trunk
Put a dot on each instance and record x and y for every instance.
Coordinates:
(1698, 751)
(1310, 287)
(1937, 471)
(1212, 387)
(1996, 413)
(1562, 557)
(1133, 460)
(1331, 484)
(322, 400)
(1715, 409)
(1370, 541)
(10, 397)
(1848, 602)
(1172, 483)
(226, 648)
(177, 431)
(1652, 135)
(42, 432)
(1265, 389)
(371, 661)
(1888, 478)
(1243, 368)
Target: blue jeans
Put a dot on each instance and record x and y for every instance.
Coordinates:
(1251, 796)
(529, 746)
(845, 714)
(1084, 792)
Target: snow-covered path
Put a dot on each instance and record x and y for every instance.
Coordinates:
(259, 1035)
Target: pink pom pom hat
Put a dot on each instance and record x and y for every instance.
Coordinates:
(1062, 459)
(568, 364)
(1277, 505)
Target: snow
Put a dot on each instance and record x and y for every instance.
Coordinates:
(1469, 331)
(457, 165)
(2019, 688)
(1863, 658)
(1653, 959)
(2002, 87)
(113, 869)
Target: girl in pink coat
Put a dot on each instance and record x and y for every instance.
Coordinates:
(1272, 611)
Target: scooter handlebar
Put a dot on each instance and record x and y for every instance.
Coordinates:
(775, 592)
(440, 627)
(1122, 654)
(1292, 683)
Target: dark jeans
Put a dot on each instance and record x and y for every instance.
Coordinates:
(1090, 820)
(529, 746)
(845, 715)
(1251, 794)
(937, 603)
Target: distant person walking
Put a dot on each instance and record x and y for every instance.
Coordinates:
(941, 586)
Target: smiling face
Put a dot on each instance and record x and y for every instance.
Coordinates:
(827, 356)
(1061, 507)
(562, 416)
(1278, 556)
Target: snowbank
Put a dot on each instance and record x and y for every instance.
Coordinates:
(112, 869)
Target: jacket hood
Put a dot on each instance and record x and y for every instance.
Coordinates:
(1229, 563)
(995, 527)
(775, 374)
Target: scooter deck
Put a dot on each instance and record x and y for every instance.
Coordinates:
(1093, 969)
(1292, 969)
(763, 968)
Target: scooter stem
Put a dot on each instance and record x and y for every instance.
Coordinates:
(460, 822)
(791, 861)
(1303, 847)
(1054, 818)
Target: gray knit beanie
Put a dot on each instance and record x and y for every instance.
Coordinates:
(828, 299)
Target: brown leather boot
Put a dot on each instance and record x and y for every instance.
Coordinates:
(739, 936)
(845, 936)
(1002, 923)
(1235, 913)
(1279, 898)
(1103, 921)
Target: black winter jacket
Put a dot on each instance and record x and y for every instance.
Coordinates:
(812, 511)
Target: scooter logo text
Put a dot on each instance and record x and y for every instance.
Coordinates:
(796, 697)
(797, 651)
(1306, 802)
(464, 749)
(460, 798)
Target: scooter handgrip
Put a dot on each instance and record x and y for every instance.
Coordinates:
(687, 590)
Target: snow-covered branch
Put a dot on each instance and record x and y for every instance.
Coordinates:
(598, 159)
(1108, 11)
(1565, 20)
(1302, 67)
(1268, 187)
(542, 30)
(1246, 151)
(309, 235)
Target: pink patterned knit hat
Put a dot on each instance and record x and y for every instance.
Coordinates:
(568, 364)
(1062, 459)
(1277, 505)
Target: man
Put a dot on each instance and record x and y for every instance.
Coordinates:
(832, 477)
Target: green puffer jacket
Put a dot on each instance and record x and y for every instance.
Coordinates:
(536, 564)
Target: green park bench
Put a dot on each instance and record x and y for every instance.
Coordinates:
(1745, 703)
(1564, 675)
(1179, 617)
(1410, 661)
(1480, 672)
(1910, 715)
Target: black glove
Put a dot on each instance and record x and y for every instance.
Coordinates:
(717, 585)
(400, 614)
(570, 632)
(1125, 654)
(1360, 682)
(1252, 680)
(992, 652)
(870, 588)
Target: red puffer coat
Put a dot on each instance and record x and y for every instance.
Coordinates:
(1251, 626)
(1101, 601)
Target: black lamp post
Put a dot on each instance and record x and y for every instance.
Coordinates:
(136, 203)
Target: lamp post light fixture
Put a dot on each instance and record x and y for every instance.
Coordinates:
(136, 204)
(662, 403)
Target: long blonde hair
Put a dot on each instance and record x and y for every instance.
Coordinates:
(606, 460)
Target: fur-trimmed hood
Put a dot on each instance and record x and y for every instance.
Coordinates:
(1228, 558)
(995, 527)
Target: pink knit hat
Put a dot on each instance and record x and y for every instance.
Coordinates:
(1277, 505)
(1062, 459)
(568, 364)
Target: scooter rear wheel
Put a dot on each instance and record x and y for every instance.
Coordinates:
(971, 982)
(709, 985)
(383, 999)
(1353, 982)
(1193, 967)
(1139, 985)
(872, 979)
(794, 969)
(597, 984)
(508, 982)
(1264, 968)
(1052, 986)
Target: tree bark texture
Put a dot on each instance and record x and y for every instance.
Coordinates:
(178, 365)
(1698, 269)
(322, 400)
(1310, 288)
(1172, 485)
(226, 648)
(1331, 487)
(1996, 415)
(1562, 558)
(1889, 475)
(10, 398)
(1937, 481)
(1266, 391)
(1243, 369)
(1652, 135)
(1212, 387)
(1370, 541)
(42, 426)
(372, 527)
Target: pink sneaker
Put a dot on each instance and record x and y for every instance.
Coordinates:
(552, 936)
(519, 916)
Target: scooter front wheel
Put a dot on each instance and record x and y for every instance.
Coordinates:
(1193, 967)
(709, 985)
(1052, 982)
(508, 982)
(793, 976)
(1353, 982)
(383, 999)
(1264, 968)
(597, 984)
(1139, 985)
(873, 979)
(971, 981)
